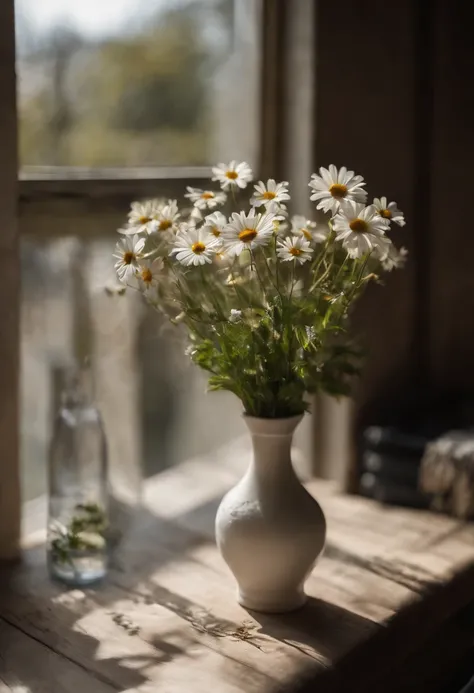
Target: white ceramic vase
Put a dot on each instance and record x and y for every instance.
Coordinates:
(269, 529)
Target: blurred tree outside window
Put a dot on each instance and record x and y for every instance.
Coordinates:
(136, 83)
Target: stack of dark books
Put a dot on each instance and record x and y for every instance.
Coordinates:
(390, 452)
(390, 465)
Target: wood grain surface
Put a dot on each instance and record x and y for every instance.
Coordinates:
(390, 583)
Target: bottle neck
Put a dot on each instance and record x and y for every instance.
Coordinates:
(78, 388)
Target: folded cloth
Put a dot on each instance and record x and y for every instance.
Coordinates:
(447, 473)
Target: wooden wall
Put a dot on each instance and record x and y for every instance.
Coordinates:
(9, 295)
(395, 102)
(451, 243)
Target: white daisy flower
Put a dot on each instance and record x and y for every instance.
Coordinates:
(128, 251)
(215, 223)
(221, 259)
(272, 192)
(300, 226)
(294, 248)
(235, 315)
(195, 217)
(278, 209)
(232, 176)
(280, 227)
(206, 199)
(141, 218)
(280, 216)
(195, 247)
(247, 231)
(148, 274)
(333, 186)
(167, 217)
(361, 229)
(394, 259)
(389, 211)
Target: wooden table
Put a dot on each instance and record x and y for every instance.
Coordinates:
(389, 605)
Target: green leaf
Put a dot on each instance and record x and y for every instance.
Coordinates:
(301, 335)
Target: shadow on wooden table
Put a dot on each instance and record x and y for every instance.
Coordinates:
(318, 626)
(42, 621)
(42, 642)
(167, 609)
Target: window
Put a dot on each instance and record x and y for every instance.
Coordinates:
(136, 83)
(142, 86)
(89, 145)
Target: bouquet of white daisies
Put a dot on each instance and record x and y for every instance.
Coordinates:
(264, 296)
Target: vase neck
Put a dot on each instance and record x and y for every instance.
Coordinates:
(271, 441)
(272, 456)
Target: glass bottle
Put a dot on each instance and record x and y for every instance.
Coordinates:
(78, 486)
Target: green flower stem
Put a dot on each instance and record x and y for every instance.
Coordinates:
(277, 274)
(356, 285)
(242, 306)
(260, 281)
(211, 294)
(341, 268)
(324, 275)
(269, 271)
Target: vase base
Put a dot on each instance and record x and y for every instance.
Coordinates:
(272, 605)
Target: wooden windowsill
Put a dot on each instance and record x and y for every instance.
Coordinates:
(58, 201)
(61, 182)
(92, 203)
(384, 600)
(64, 174)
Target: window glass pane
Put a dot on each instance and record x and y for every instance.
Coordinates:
(153, 399)
(137, 82)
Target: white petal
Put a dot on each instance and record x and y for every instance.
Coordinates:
(326, 176)
(333, 173)
(341, 178)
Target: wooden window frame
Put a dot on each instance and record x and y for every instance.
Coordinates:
(9, 295)
(51, 196)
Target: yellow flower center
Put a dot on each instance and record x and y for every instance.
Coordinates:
(147, 275)
(358, 225)
(295, 251)
(268, 195)
(207, 195)
(165, 224)
(215, 231)
(144, 220)
(385, 213)
(198, 247)
(306, 234)
(247, 235)
(338, 190)
(128, 257)
(232, 175)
